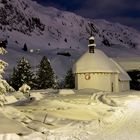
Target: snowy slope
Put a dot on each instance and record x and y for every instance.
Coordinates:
(53, 31)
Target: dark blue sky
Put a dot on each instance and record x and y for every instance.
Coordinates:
(123, 11)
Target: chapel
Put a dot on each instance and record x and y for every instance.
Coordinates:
(94, 69)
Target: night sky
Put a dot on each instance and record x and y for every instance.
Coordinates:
(123, 11)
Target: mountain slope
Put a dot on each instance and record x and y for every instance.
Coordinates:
(48, 31)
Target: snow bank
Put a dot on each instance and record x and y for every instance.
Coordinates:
(10, 99)
(37, 96)
(66, 92)
(35, 136)
(11, 136)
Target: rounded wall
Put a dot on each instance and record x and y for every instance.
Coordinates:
(101, 81)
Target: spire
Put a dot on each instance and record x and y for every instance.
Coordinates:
(91, 44)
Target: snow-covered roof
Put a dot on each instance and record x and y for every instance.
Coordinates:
(92, 45)
(123, 76)
(92, 38)
(99, 62)
(94, 62)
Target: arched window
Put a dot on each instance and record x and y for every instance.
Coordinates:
(91, 49)
(91, 42)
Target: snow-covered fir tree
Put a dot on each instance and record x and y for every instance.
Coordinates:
(22, 74)
(69, 81)
(45, 74)
(4, 86)
(25, 48)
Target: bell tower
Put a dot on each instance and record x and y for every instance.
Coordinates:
(91, 44)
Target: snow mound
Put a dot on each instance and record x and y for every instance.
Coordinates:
(66, 92)
(10, 99)
(25, 88)
(37, 96)
(11, 136)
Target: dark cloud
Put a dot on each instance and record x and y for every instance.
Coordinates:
(109, 8)
(124, 11)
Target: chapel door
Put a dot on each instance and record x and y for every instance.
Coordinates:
(112, 87)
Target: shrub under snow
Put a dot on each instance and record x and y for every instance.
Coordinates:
(24, 88)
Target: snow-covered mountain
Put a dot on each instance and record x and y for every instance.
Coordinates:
(49, 31)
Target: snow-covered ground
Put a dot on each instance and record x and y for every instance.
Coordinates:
(86, 115)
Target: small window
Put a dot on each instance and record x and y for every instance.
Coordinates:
(91, 41)
(91, 49)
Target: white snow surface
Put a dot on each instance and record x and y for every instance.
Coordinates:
(87, 114)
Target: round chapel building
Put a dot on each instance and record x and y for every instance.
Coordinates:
(96, 70)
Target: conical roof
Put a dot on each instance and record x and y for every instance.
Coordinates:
(94, 62)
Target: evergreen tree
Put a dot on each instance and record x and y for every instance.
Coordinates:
(45, 75)
(3, 44)
(22, 74)
(25, 48)
(69, 81)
